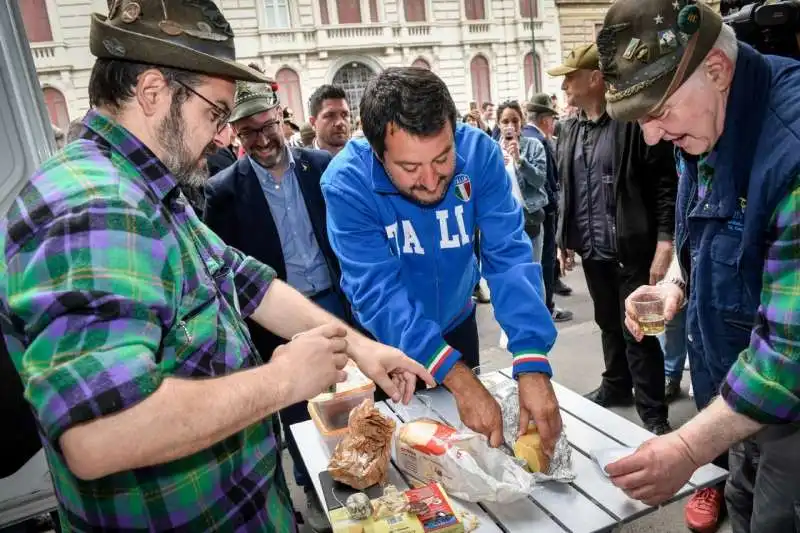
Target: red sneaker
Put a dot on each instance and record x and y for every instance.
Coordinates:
(703, 510)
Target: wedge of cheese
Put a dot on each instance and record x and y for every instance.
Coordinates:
(529, 448)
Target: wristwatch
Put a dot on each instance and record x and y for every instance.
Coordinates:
(680, 283)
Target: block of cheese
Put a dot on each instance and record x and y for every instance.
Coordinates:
(529, 448)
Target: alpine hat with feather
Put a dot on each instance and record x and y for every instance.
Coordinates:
(183, 34)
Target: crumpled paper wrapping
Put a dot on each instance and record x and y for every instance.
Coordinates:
(361, 459)
(506, 392)
(461, 461)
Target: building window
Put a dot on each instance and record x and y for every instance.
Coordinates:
(373, 10)
(421, 63)
(415, 10)
(277, 14)
(325, 18)
(533, 74)
(36, 20)
(353, 78)
(289, 92)
(349, 11)
(474, 10)
(481, 83)
(56, 107)
(525, 7)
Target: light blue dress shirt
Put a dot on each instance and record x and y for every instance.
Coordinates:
(306, 269)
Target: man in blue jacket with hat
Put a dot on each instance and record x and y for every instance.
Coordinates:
(403, 205)
(734, 116)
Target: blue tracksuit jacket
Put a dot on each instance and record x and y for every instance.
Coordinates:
(409, 270)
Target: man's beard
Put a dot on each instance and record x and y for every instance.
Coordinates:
(272, 160)
(409, 194)
(337, 138)
(187, 169)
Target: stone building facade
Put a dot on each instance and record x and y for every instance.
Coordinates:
(481, 48)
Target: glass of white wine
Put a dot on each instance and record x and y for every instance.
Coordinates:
(649, 307)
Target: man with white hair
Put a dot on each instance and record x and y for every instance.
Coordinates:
(734, 116)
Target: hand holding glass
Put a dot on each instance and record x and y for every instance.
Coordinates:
(649, 308)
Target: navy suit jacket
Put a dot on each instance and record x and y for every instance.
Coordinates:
(238, 211)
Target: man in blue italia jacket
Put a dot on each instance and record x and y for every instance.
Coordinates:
(403, 205)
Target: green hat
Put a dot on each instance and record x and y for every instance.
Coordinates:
(182, 34)
(253, 98)
(580, 58)
(648, 48)
(541, 103)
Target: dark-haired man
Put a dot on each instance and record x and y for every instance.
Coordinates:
(403, 205)
(489, 118)
(123, 313)
(329, 114)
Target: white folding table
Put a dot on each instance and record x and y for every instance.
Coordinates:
(587, 505)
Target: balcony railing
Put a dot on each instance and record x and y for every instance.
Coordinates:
(49, 56)
(344, 37)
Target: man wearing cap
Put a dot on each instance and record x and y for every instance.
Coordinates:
(541, 124)
(734, 116)
(123, 313)
(307, 135)
(618, 213)
(276, 188)
(291, 131)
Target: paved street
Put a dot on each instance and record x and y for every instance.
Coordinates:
(577, 363)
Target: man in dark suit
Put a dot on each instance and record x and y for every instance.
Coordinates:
(541, 119)
(269, 205)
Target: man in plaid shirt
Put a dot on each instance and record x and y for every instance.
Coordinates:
(124, 314)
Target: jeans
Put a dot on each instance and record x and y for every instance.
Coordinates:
(673, 344)
(331, 302)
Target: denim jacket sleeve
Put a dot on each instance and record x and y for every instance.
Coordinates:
(532, 173)
(532, 167)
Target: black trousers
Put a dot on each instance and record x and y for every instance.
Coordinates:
(463, 338)
(628, 363)
(763, 491)
(549, 259)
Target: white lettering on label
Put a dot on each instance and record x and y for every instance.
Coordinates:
(411, 244)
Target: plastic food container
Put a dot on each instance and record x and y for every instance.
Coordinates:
(330, 437)
(333, 408)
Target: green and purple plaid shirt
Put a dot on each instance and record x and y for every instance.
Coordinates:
(764, 383)
(111, 284)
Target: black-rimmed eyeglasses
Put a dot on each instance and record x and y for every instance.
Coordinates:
(221, 115)
(268, 127)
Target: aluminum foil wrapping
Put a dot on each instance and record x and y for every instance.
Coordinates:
(506, 392)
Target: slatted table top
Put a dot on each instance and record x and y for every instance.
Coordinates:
(589, 504)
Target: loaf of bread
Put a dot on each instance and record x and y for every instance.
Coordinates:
(529, 448)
